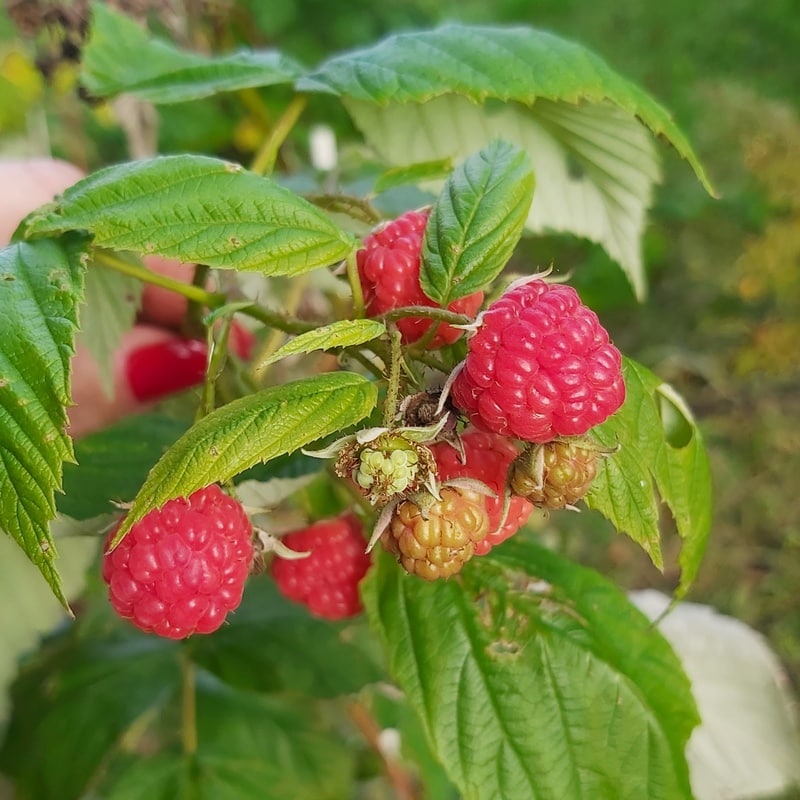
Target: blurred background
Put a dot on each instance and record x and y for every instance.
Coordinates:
(722, 321)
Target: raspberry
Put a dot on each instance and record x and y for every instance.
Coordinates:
(327, 580)
(539, 366)
(182, 567)
(435, 538)
(488, 457)
(388, 266)
(556, 474)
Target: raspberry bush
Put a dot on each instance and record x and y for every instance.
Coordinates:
(413, 386)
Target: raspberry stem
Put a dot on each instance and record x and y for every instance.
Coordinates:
(188, 704)
(430, 312)
(393, 392)
(265, 158)
(359, 309)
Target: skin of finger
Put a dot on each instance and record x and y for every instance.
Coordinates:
(162, 306)
(92, 408)
(26, 185)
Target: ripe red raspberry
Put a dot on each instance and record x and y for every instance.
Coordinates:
(388, 266)
(488, 458)
(435, 538)
(182, 567)
(556, 474)
(539, 366)
(327, 580)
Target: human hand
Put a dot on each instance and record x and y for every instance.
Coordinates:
(152, 360)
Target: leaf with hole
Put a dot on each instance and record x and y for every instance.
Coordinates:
(660, 447)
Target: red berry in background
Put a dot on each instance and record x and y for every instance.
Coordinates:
(488, 458)
(389, 265)
(539, 366)
(182, 567)
(327, 580)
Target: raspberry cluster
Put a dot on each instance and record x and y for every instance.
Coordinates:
(389, 267)
(326, 581)
(540, 366)
(182, 567)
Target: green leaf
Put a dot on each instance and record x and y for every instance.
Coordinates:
(27, 607)
(89, 693)
(255, 428)
(536, 678)
(111, 301)
(345, 333)
(247, 746)
(659, 443)
(113, 463)
(476, 222)
(198, 209)
(432, 95)
(122, 57)
(40, 289)
(273, 645)
(413, 174)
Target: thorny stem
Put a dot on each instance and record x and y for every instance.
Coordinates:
(217, 355)
(354, 207)
(402, 782)
(194, 294)
(429, 312)
(274, 319)
(188, 704)
(265, 158)
(355, 286)
(395, 365)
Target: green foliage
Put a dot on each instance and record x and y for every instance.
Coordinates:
(345, 333)
(528, 676)
(429, 95)
(659, 443)
(41, 285)
(567, 683)
(257, 427)
(476, 223)
(122, 57)
(196, 208)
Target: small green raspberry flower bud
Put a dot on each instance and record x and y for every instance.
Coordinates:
(556, 474)
(387, 467)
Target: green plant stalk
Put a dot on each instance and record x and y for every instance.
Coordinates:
(194, 294)
(217, 356)
(429, 312)
(267, 155)
(188, 704)
(395, 365)
(359, 311)
(193, 324)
